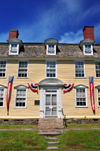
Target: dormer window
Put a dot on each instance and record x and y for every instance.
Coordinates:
(13, 49)
(51, 49)
(14, 43)
(51, 45)
(88, 49)
(87, 46)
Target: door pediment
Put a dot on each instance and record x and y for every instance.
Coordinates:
(51, 82)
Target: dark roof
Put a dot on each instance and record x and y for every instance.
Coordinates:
(51, 40)
(38, 50)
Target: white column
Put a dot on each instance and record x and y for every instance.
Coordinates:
(42, 102)
(59, 102)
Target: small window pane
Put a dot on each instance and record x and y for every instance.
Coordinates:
(54, 111)
(47, 99)
(47, 111)
(54, 99)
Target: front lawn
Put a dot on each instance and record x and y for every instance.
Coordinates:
(76, 140)
(71, 140)
(21, 140)
(17, 126)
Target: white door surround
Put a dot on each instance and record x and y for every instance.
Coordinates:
(51, 98)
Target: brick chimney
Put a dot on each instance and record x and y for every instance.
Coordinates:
(13, 33)
(89, 32)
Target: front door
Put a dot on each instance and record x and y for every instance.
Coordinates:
(51, 103)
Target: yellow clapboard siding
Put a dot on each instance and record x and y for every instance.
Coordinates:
(36, 73)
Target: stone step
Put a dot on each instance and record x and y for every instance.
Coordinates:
(49, 133)
(52, 143)
(47, 123)
(52, 147)
(52, 138)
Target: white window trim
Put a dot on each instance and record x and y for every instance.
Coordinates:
(5, 68)
(97, 98)
(18, 69)
(84, 69)
(46, 68)
(91, 49)
(47, 47)
(3, 96)
(20, 87)
(10, 49)
(79, 87)
(95, 69)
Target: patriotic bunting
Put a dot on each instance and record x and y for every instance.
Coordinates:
(91, 85)
(33, 87)
(67, 87)
(10, 82)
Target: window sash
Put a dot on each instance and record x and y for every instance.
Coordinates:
(88, 48)
(2, 68)
(22, 68)
(79, 69)
(97, 69)
(51, 69)
(1, 97)
(98, 93)
(51, 49)
(81, 97)
(20, 100)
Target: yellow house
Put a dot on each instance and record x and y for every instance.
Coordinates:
(54, 67)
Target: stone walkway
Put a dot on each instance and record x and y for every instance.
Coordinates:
(35, 129)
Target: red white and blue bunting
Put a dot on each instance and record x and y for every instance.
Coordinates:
(33, 87)
(68, 87)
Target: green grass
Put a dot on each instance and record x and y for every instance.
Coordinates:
(17, 126)
(71, 140)
(21, 140)
(89, 125)
(80, 140)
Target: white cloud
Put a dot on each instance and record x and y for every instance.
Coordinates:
(71, 37)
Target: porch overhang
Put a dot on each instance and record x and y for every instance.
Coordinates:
(51, 82)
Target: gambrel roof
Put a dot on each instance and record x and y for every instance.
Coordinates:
(38, 50)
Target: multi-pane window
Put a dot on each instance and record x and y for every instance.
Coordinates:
(20, 100)
(80, 97)
(88, 49)
(13, 49)
(98, 97)
(23, 68)
(97, 68)
(2, 68)
(79, 69)
(51, 69)
(51, 49)
(1, 97)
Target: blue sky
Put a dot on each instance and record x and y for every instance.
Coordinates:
(37, 20)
